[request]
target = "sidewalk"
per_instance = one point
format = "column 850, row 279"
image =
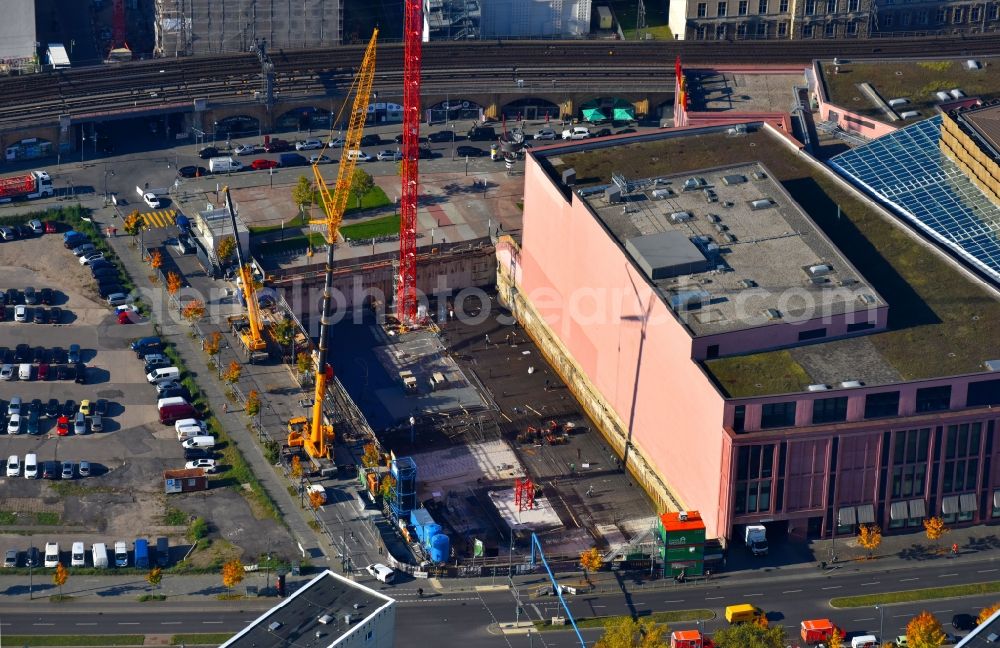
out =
column 234, row 421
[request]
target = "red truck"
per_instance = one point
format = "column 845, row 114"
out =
column 33, row 184
column 817, row 631
column 689, row 639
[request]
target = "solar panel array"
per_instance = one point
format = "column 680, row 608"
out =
column 908, row 171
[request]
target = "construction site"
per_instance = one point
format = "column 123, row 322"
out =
column 446, row 415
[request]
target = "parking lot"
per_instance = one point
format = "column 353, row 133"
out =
column 124, row 492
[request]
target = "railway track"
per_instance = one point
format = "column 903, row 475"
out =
column 40, row 99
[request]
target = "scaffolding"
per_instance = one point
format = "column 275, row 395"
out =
column 404, row 487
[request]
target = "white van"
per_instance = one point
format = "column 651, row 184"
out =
column 358, row 156
column 31, row 466
column 224, row 165
column 174, row 400
column 199, row 442
column 24, row 372
column 163, row 374
column 51, row 554
column 188, row 422
column 188, row 431
column 121, row 554
column 99, row 554
column 381, row 572
column 865, row 641
column 78, row 557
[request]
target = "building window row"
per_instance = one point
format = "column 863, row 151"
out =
column 877, row 405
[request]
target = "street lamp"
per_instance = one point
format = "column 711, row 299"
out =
column 215, row 128
column 106, row 173
column 881, row 618
column 453, row 142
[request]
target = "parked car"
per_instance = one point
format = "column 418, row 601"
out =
column 55, row 315
column 469, row 151
column 441, row 136
column 546, row 134
column 83, row 469
column 308, row 145
column 20, row 313
column 7, row 372
column 371, row 140
column 85, row 407
column 390, row 156
column 336, row 142
column 59, row 355
column 74, row 354
column 247, row 149
column 208, row 152
column 69, row 407
column 14, row 424
column 207, row 464
column 86, row 248
column 36, row 227
column 14, row 466
column 52, row 408
column 262, row 164
column 576, row 133
column 151, row 199
column 30, row 296
column 277, row 146
column 79, row 424
column 41, row 315
column 117, row 299
column 62, row 426
column 316, row 158
column 90, row 257
column 45, row 296
column 32, row 557
column 192, row 172
column 101, row 407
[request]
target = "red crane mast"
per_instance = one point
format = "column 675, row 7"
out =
column 406, row 288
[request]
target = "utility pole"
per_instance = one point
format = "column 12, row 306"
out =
column 640, row 21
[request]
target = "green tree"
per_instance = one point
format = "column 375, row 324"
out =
column 750, row 635
column 386, row 487
column 227, row 247
column 626, row 632
column 284, row 331
column 303, row 194
column 361, row 183
column 304, row 362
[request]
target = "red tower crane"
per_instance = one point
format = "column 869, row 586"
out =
column 118, row 25
column 406, row 288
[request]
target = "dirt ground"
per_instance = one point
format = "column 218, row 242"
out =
column 127, row 499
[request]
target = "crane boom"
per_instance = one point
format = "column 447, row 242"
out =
column 315, row 442
column 255, row 342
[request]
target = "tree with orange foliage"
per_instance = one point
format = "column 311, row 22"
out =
column 924, row 631
column 174, row 282
column 156, row 260
column 935, row 527
column 232, row 374
column 253, row 403
column 296, row 467
column 60, row 576
column 194, row 310
column 316, row 499
column 869, row 538
column 213, row 344
column 591, row 560
column 987, row 612
column 232, row 573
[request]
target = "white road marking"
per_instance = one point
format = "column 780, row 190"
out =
column 212, row 622
column 43, row 624
column 946, row 575
column 903, row 580
column 791, row 591
column 754, row 594
column 714, row 598
column 871, row 583
column 128, row 623
column 985, row 571
column 678, row 601
column 866, row 619
column 833, row 587
column 173, row 622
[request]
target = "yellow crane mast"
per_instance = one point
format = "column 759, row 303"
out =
column 251, row 339
column 313, row 435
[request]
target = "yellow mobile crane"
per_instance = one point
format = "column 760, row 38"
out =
column 313, row 435
column 250, row 336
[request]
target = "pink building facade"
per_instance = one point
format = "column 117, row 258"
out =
column 806, row 464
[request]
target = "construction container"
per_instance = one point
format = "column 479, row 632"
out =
column 185, row 480
column 687, row 639
column 682, row 538
column 816, row 631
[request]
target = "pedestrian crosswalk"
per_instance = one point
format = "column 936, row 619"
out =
column 159, row 218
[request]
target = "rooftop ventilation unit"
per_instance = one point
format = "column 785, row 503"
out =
column 758, row 175
column 694, row 183
column 972, row 64
column 569, row 177
column 820, row 270
column 818, row 387
column 682, row 516
column 680, row 217
column 712, row 218
column 895, row 103
column 942, row 95
column 763, row 203
column 850, row 384
column 729, row 237
column 733, row 179
column 720, row 228
column 613, row 194
column 748, row 283
column 867, row 299
column 660, row 194
column 956, row 93
column 772, row 314
column 326, row 619
column 909, row 114
column 992, row 365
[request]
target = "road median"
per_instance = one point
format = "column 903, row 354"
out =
column 911, row 596
column 673, row 616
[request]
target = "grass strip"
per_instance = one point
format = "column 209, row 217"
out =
column 203, row 638
column 909, row 596
column 382, row 226
column 673, row 616
column 75, row 640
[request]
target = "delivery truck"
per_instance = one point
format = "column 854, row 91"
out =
column 31, row 184
column 756, row 539
column 689, row 639
column 815, row 631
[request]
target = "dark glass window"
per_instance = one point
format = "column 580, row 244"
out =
column 985, row 392
column 830, row 410
column 882, row 404
column 932, row 399
column 812, row 334
column 775, row 415
column 860, row 326
column 739, row 417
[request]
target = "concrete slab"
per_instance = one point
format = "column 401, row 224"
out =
column 458, row 465
column 713, row 91
column 538, row 518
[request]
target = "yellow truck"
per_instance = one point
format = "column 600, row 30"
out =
column 743, row 613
